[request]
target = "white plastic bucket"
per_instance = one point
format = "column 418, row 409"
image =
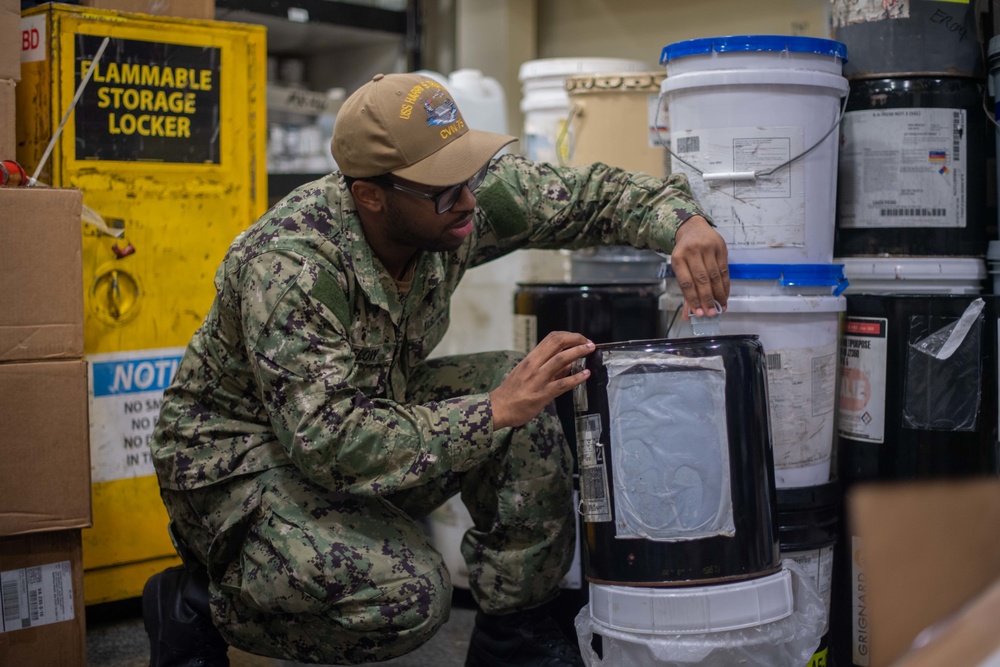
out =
column 993, row 264
column 914, row 275
column 545, row 102
column 800, row 335
column 753, row 125
column 773, row 620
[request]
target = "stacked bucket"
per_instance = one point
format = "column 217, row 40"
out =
column 575, row 110
column 918, row 366
column 754, row 126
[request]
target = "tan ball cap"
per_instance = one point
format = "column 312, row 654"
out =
column 409, row 125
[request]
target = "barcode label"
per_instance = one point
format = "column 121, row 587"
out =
column 957, row 132
column 35, row 596
column 774, row 361
column 913, row 212
column 594, row 505
column 688, row 144
column 12, row 604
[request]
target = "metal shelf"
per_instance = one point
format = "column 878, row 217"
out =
column 308, row 27
column 345, row 14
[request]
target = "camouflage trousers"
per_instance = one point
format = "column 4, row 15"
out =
column 301, row 573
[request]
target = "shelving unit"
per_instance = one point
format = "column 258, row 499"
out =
column 343, row 45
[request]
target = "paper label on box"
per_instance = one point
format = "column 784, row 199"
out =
column 35, row 596
column 126, row 389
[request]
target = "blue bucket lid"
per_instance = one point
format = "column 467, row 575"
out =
column 792, row 275
column 692, row 47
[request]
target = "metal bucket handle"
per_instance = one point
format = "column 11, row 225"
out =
column 706, row 325
column 746, row 175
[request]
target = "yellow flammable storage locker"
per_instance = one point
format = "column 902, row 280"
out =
column 167, row 143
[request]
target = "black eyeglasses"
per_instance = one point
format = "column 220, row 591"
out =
column 444, row 200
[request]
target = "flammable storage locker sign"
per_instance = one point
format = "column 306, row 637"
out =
column 148, row 101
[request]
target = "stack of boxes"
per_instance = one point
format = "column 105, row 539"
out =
column 44, row 442
column 166, row 142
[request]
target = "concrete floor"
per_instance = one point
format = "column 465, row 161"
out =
column 116, row 638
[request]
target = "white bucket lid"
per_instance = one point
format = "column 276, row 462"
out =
column 693, row 609
column 563, row 67
column 962, row 269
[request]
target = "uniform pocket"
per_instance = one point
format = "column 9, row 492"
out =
column 295, row 559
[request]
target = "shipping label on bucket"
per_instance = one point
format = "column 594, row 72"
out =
column 594, row 503
column 802, row 394
column 902, row 168
column 126, row 390
column 766, row 211
column 817, row 564
column 863, row 359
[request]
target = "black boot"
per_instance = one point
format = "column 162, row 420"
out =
column 178, row 621
column 523, row 639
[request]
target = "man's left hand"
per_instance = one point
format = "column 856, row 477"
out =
column 700, row 261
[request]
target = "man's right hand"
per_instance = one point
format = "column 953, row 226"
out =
column 541, row 376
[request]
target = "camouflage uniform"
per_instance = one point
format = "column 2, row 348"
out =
column 306, row 433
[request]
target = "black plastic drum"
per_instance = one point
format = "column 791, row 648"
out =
column 897, row 38
column 918, row 388
column 912, row 176
column 676, row 468
column 603, row 312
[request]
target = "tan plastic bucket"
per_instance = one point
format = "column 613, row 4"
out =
column 614, row 119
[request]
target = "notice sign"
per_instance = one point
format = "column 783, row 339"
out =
column 126, row 390
column 148, row 101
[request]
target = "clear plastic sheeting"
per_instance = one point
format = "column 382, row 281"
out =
column 669, row 446
column 788, row 642
column 944, row 372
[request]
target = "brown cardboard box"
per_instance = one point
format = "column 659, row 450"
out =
column 41, row 274
column 55, row 634
column 8, row 140
column 966, row 639
column 44, row 447
column 187, row 9
column 928, row 549
column 10, row 39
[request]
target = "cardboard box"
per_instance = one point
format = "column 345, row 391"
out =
column 10, row 39
column 187, row 9
column 41, row 271
column 8, row 139
column 927, row 549
column 43, row 621
column 968, row 639
column 44, row 446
